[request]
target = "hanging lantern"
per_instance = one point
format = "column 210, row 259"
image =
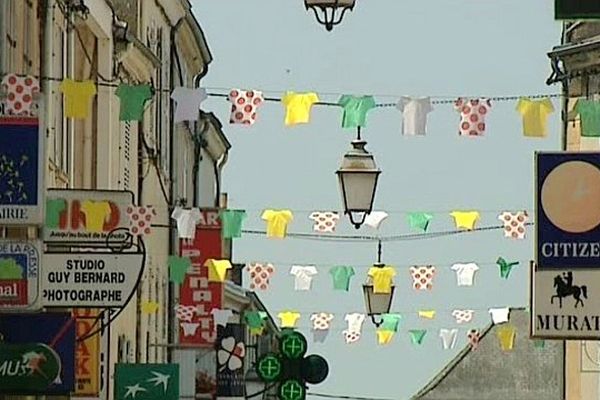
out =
column 377, row 303
column 357, row 178
column 329, row 12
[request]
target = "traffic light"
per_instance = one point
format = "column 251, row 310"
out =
column 290, row 369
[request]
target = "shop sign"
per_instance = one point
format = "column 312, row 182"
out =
column 56, row 331
column 21, row 171
column 146, row 381
column 87, row 353
column 89, row 279
column 565, row 304
column 196, row 290
column 19, row 274
column 567, row 215
column 32, row 366
column 86, row 217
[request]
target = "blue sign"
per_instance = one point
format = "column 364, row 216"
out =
column 57, row 330
column 568, row 210
column 21, row 173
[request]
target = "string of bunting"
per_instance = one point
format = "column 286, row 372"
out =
column 387, row 328
column 534, row 109
column 325, row 222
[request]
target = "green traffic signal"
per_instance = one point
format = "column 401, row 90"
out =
column 293, row 345
column 292, row 389
column 269, row 368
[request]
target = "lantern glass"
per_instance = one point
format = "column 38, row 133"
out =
column 377, row 303
column 358, row 190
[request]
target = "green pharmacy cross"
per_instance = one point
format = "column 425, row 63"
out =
column 290, row 369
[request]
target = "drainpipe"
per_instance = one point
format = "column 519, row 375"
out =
column 219, row 165
column 2, row 33
column 47, row 70
column 565, row 91
column 172, row 334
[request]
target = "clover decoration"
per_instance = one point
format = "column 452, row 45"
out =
column 231, row 354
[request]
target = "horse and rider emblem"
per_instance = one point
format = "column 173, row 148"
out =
column 564, row 288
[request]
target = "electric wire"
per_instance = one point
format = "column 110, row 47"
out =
column 344, row 397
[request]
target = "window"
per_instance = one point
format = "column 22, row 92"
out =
column 9, row 34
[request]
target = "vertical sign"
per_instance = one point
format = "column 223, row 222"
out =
column 87, row 353
column 231, row 352
column 567, row 210
column 19, row 274
column 196, row 290
column 21, row 171
column 56, row 331
column 576, row 9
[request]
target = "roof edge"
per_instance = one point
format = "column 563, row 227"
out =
column 446, row 370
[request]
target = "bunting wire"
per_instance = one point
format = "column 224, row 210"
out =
column 344, row 397
column 102, row 82
column 384, row 238
column 353, row 264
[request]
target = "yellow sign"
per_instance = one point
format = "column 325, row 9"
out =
column 87, row 353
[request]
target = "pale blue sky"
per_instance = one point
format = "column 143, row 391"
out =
column 388, row 48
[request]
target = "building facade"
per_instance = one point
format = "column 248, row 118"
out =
column 163, row 164
column 576, row 67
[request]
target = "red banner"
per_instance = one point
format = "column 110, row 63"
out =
column 196, row 290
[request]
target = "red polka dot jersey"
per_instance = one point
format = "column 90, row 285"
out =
column 260, row 275
column 244, row 105
column 19, row 93
column 472, row 115
column 140, row 219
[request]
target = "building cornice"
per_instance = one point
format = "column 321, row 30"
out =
column 174, row 10
column 217, row 144
column 137, row 58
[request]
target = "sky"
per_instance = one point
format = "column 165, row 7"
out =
column 386, row 48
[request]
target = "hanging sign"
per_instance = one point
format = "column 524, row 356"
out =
column 567, row 213
column 19, row 274
column 231, row 353
column 196, row 290
column 21, row 171
column 87, row 353
column 35, row 366
column 146, row 381
column 46, row 344
column 89, row 279
column 565, row 304
column 86, row 217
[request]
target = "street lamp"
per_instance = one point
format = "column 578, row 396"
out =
column 357, row 178
column 329, row 12
column 377, row 303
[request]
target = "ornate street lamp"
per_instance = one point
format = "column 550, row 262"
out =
column 329, row 12
column 357, row 178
